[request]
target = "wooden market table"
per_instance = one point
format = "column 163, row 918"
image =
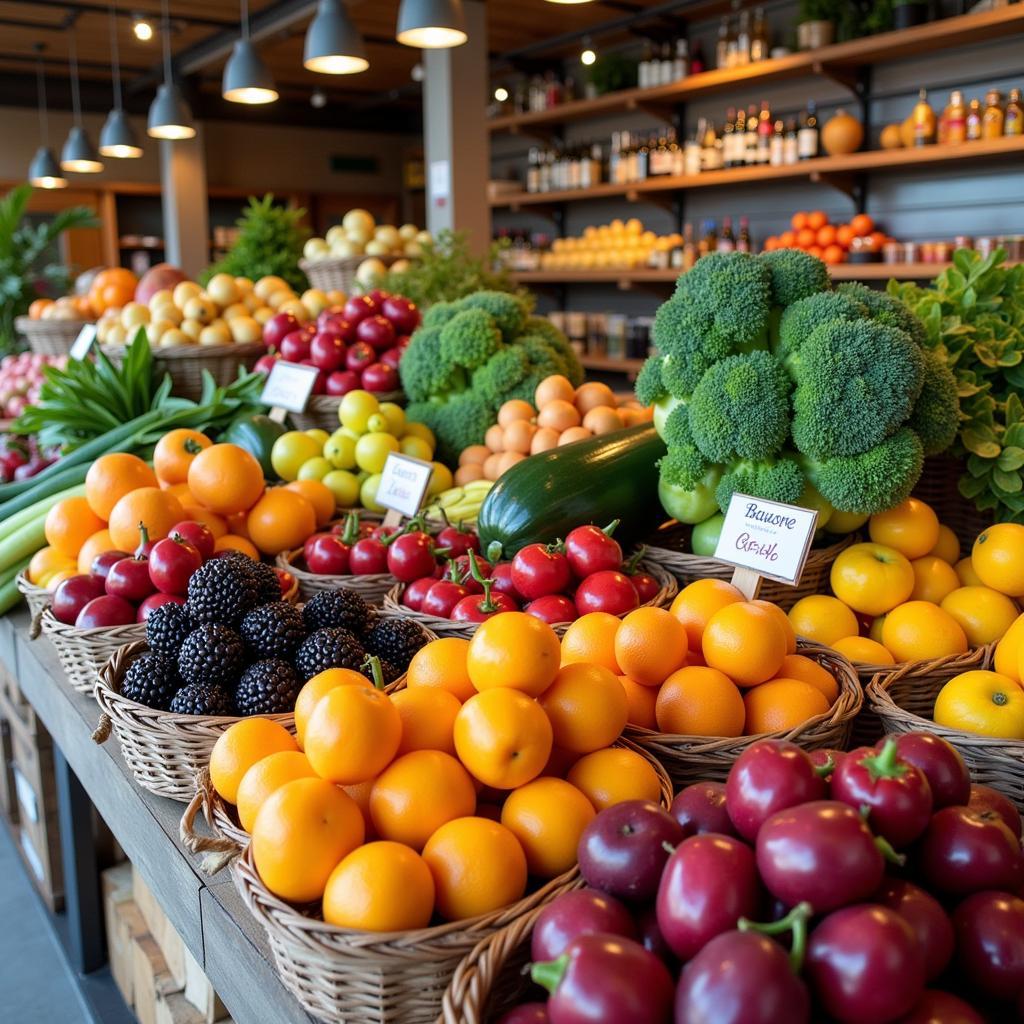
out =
column 207, row 913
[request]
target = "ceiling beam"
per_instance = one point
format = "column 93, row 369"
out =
column 128, row 13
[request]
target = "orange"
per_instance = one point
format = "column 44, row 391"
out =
column 229, row 542
column 700, row 701
column 745, row 642
column 833, row 253
column 442, row 664
column 225, row 479
column 380, row 887
column 352, row 734
column 69, row 524
column 586, row 706
column 845, row 235
column 548, row 817
column 237, row 523
column 640, row 701
column 947, row 547
column 982, row 702
column 591, row 638
column 826, row 235
column 965, row 571
column 280, row 520
column 918, row 630
column 300, row 834
column 934, row 578
column 805, row 239
column 478, row 866
column 998, row 558
column 174, row 453
column 503, row 737
column 610, row 776
column 428, row 718
column 417, row 793
column 650, row 645
column 214, row 523
column 319, row 495
column 822, row 619
column 265, row 777
column 781, row 705
column 181, row 492
column 239, row 747
column 871, row 578
column 984, row 614
column 1008, row 650
column 513, row 650
column 816, row 220
column 911, row 528
column 797, row 666
column 787, row 240
column 360, row 792
column 111, row 477
column 157, row 510
column 782, row 619
column 112, row 288
column 798, row 221
column 862, row 650
column 862, row 224
column 47, row 561
column 697, row 602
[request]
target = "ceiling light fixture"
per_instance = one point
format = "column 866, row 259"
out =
column 247, row 79
column 334, row 46
column 78, row 154
column 318, row 99
column 431, row 24
column 117, row 137
column 169, row 115
column 567, row 2
column 142, row 29
column 44, row 171
column 588, row 56
column 501, row 94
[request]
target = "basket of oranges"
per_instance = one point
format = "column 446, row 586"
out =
column 55, row 335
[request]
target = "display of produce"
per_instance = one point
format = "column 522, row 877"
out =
column 21, row 382
column 618, row 245
column 833, row 243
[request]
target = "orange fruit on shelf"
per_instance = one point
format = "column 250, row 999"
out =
column 816, row 251
column 478, row 866
column 998, row 558
column 782, row 619
column 591, row 638
column 548, row 817
column 157, row 510
column 816, row 220
column 984, row 614
column 231, row 542
column 650, row 644
column 174, row 453
column 225, row 479
column 352, row 734
column 911, row 528
column 267, row 776
column 862, row 225
column 428, row 718
column 870, row 578
column 47, row 561
column 516, row 651
column 845, row 235
column 380, row 887
column 586, row 706
column 319, row 495
column 69, row 524
column 239, row 747
column 301, row 833
column 799, row 666
column 441, row 664
column 700, row 701
column 798, row 221
column 640, row 702
column 1007, row 659
column 934, row 578
column 827, row 235
column 787, row 240
column 862, row 650
column 280, row 520
column 823, row 619
column 503, row 737
column 694, row 605
column 805, row 238
column 610, row 776
column 213, row 522
column 781, row 705
column 981, row 702
column 111, row 477
column 966, row 574
column 833, row 253
column 417, row 793
column 745, row 642
column 112, row 288
column 918, row 630
column 947, row 547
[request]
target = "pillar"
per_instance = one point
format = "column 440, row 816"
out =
column 185, row 203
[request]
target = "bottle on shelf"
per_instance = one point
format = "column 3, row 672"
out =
column 750, row 136
column 552, row 91
column 726, row 240
column 614, row 159
column 659, row 160
column 645, row 68
column 764, row 133
column 954, row 118
column 681, row 62
column 722, row 43
column 743, row 40
column 643, row 158
column 693, row 151
column 923, row 120
column 760, row 41
column 808, row 135
column 533, row 170
column 1013, row 118
column 676, row 154
column 665, row 73
column 991, row 126
column 698, row 62
column 711, row 149
column 973, row 120
column 729, row 138
column 777, row 145
column 743, row 243
column 709, row 239
column 689, row 253
column 791, row 145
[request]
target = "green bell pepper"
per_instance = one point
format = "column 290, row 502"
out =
column 256, row 434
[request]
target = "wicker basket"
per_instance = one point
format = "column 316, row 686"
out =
column 49, row 337
column 37, row 598
column 322, row 410
column 371, row 588
column 939, row 486
column 338, row 272
column 84, row 652
column 690, row 759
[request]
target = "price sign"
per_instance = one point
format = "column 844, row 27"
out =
column 289, row 386
column 84, row 342
column 403, row 484
column 765, row 539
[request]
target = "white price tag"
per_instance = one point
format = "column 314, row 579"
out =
column 403, row 483
column 83, row 343
column 289, row 386
column 767, row 537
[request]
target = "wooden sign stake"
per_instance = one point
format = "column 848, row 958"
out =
column 747, row 582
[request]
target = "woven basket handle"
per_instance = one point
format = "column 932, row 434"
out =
column 219, row 850
column 102, row 731
column 35, row 627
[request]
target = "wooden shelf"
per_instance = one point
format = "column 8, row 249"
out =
column 839, row 62
column 611, row 365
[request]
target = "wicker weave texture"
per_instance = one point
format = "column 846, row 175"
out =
column 37, row 598
column 83, row 653
column 49, row 337
column 337, row 273
column 370, row 588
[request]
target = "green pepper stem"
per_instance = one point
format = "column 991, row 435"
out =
column 886, row 763
column 823, row 771
column 549, row 973
column 494, row 551
column 886, row 850
column 795, row 922
column 371, row 663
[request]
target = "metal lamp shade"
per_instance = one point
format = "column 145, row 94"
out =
column 246, row 78
column 44, row 171
column 333, row 44
column 169, row 115
column 117, row 139
column 79, row 155
column 431, row 24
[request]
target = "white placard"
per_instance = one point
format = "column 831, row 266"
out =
column 440, row 179
column 403, row 483
column 85, row 340
column 289, row 386
column 767, row 537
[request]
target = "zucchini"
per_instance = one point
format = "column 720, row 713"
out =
column 542, row 498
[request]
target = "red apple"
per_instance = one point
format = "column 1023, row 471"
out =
column 320, row 384
column 359, row 357
column 340, row 326
column 380, row 377
column 378, row 295
column 341, row 382
column 327, row 350
column 403, row 313
column 102, row 563
column 277, row 327
column 377, row 332
column 295, row 347
column 162, row 277
column 198, row 534
column 327, row 314
column 106, row 611
column 73, row 594
column 392, row 356
column 266, row 363
column 359, row 307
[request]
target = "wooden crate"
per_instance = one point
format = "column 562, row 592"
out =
column 8, row 798
column 161, row 929
column 151, row 978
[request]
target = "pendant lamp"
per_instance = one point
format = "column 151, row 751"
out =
column 431, row 24
column 44, row 171
column 247, row 79
column 117, row 137
column 334, row 45
column 78, row 154
column 169, row 114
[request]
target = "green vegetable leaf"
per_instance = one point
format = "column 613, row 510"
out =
column 1009, row 482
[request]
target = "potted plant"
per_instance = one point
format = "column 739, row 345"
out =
column 906, row 13
column 816, row 24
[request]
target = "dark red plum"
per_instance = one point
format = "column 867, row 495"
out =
column 964, row 852
column 701, row 808
column 990, row 943
column 924, row 913
column 582, row 912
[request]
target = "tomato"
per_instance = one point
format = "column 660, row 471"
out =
column 607, row 591
column 590, row 549
column 541, row 569
column 411, row 556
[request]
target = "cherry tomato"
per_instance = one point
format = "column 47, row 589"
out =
column 368, row 557
column 541, row 569
column 607, row 591
column 411, row 555
column 590, row 549
column 553, row 608
column 414, row 593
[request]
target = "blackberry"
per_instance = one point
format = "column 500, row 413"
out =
column 152, row 679
column 267, row 688
column 222, row 590
column 202, row 699
column 167, row 627
column 329, row 648
column 267, row 584
column 395, row 639
column 339, row 607
column 273, row 630
column 211, row 655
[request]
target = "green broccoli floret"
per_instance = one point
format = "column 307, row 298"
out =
column 794, row 275
column 649, row 387
column 681, row 374
column 886, row 310
column 675, row 431
column 740, row 409
column 425, row 370
column 856, row 382
column 543, row 359
column 800, row 320
column 542, row 326
column 509, row 311
column 459, row 423
column 936, row 416
column 504, row 371
column 874, row 480
column 470, row 338
column 774, row 480
column 686, row 485
column 439, row 314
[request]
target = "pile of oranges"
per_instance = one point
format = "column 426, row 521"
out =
column 442, row 798
column 832, row 243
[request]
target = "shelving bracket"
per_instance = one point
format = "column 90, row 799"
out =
column 848, row 77
column 663, row 201
column 849, row 184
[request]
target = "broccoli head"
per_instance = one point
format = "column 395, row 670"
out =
column 470, row 338
column 543, row 359
column 457, row 424
column 425, row 370
column 439, row 314
column 500, row 374
column 936, row 416
column 740, row 408
column 544, row 328
column 649, row 387
column 774, row 480
column 794, row 275
column 508, row 311
column 800, row 320
column 686, row 485
column 886, row 310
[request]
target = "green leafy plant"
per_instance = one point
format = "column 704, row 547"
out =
column 974, row 317
column 270, row 242
column 25, row 250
